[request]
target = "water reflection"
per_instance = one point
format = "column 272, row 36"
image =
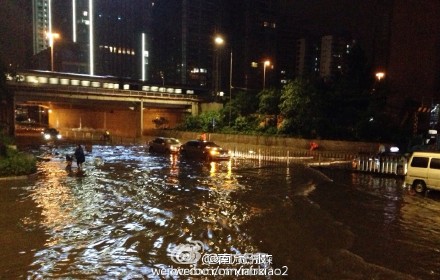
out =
column 124, row 216
column 398, row 228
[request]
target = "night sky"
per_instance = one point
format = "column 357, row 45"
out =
column 304, row 17
column 15, row 32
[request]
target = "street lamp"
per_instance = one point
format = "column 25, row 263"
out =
column 219, row 41
column 52, row 37
column 266, row 63
column 230, row 90
column 380, row 75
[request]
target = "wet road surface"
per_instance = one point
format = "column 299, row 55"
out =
column 127, row 213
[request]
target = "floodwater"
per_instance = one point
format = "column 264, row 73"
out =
column 126, row 215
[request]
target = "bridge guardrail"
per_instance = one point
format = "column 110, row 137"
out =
column 86, row 83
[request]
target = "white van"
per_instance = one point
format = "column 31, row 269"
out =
column 423, row 171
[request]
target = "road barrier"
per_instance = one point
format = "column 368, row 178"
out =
column 384, row 165
column 275, row 155
column 393, row 165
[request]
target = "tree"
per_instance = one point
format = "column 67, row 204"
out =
column 6, row 105
column 269, row 100
column 242, row 105
column 207, row 122
column 297, row 107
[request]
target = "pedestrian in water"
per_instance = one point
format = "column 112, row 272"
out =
column 80, row 157
column 69, row 160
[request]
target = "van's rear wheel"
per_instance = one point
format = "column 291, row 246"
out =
column 419, row 186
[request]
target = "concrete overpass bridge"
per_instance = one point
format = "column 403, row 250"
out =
column 126, row 108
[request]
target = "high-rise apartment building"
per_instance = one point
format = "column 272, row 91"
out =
column 334, row 50
column 184, row 51
column 98, row 37
column 167, row 41
column 254, row 37
column 183, row 41
column 325, row 57
column 308, row 57
column 42, row 24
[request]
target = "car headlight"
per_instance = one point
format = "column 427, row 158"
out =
column 59, row 136
column 214, row 152
column 47, row 136
column 174, row 148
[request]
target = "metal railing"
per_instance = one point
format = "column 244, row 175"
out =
column 383, row 165
column 393, row 165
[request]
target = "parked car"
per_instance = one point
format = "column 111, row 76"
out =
column 51, row 134
column 423, row 171
column 206, row 150
column 164, row 145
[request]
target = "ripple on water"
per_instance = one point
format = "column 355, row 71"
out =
column 130, row 209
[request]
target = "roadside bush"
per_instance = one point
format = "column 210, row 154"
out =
column 16, row 164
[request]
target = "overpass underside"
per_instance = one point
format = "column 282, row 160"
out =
column 123, row 113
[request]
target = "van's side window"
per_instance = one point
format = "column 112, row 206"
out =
column 420, row 162
column 435, row 163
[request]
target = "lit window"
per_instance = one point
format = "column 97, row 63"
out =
column 85, row 13
column 254, row 64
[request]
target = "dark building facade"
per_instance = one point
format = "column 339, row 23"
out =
column 183, row 34
column 184, row 49
column 100, row 37
column 172, row 41
column 168, row 41
column 414, row 66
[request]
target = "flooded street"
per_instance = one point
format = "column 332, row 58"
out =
column 126, row 215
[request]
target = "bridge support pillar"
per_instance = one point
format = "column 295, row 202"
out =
column 141, row 121
column 105, row 120
column 195, row 109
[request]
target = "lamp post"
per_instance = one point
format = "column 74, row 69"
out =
column 219, row 41
column 52, row 37
column 230, row 89
column 265, row 64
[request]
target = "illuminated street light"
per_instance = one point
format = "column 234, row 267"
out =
column 219, row 40
column 52, row 37
column 266, row 63
column 380, row 75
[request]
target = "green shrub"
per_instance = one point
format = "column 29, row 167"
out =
column 16, row 164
